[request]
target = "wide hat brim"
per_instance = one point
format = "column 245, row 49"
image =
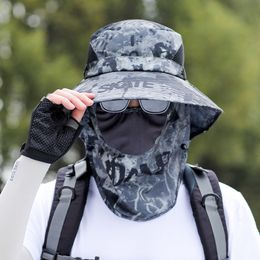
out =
column 155, row 86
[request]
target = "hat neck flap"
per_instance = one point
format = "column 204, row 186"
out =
column 140, row 187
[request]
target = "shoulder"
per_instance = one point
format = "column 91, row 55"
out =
column 237, row 211
column 230, row 194
column 233, row 200
column 240, row 224
column 235, row 204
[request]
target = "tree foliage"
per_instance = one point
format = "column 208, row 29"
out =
column 43, row 46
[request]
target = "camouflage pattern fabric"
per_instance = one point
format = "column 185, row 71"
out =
column 139, row 59
column 140, row 187
column 135, row 45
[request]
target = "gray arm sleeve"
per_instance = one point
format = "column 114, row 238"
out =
column 16, row 202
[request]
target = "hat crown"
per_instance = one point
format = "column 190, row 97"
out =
column 136, row 43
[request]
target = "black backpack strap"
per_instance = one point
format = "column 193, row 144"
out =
column 67, row 210
column 207, row 205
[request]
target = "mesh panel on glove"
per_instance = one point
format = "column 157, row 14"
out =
column 51, row 133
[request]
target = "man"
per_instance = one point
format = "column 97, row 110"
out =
column 136, row 134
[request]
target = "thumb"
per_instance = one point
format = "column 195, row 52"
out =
column 78, row 114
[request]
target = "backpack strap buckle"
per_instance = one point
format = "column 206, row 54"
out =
column 46, row 255
column 71, row 192
column 214, row 195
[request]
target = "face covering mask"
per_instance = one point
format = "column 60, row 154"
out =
column 138, row 182
column 132, row 131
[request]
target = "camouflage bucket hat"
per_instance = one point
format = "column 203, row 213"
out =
column 139, row 59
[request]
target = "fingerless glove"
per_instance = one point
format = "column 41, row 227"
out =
column 52, row 132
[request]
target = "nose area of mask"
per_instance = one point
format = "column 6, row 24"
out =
column 132, row 131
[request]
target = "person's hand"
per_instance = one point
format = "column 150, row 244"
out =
column 72, row 100
column 55, row 124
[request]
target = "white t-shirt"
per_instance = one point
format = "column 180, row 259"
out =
column 171, row 236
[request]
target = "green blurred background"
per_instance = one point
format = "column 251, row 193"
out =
column 43, row 46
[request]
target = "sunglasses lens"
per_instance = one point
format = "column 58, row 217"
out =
column 154, row 106
column 114, row 106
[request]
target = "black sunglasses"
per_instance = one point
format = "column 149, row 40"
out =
column 147, row 105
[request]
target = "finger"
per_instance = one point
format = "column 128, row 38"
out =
column 72, row 98
column 86, row 98
column 59, row 100
column 77, row 114
column 90, row 95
